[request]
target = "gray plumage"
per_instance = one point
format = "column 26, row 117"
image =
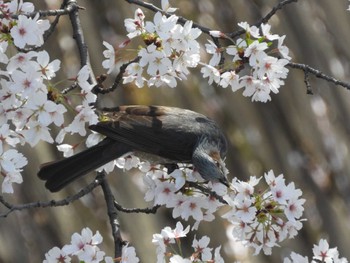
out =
column 174, row 135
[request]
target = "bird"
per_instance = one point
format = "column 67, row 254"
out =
column 167, row 135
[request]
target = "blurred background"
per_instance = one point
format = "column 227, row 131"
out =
column 305, row 137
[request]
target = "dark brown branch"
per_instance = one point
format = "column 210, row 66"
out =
column 307, row 83
column 263, row 20
column 274, row 10
column 100, row 90
column 154, row 209
column 58, row 12
column 70, row 88
column 66, row 9
column 79, row 39
column 149, row 6
column 317, row 73
column 53, row 203
column 206, row 191
column 113, row 217
column 151, row 210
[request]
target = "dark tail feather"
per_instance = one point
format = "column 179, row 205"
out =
column 59, row 174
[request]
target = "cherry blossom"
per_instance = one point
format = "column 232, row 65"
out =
column 128, row 255
column 167, row 250
column 258, row 217
column 166, row 7
column 55, row 255
column 3, row 57
column 109, row 54
column 135, row 26
column 11, row 164
column 45, row 67
column 85, row 248
column 29, row 31
column 170, row 50
column 211, row 48
column 67, row 149
column 321, row 253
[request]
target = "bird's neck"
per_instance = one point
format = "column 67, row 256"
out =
column 202, row 151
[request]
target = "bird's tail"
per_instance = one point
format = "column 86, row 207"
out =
column 60, row 173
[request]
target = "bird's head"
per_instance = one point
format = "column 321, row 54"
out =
column 208, row 160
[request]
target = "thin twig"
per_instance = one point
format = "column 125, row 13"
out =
column 53, row 203
column 263, row 20
column 307, row 83
column 151, row 210
column 58, row 12
column 273, row 11
column 206, row 191
column 100, row 90
column 319, row 74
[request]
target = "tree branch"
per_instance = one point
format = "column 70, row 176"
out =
column 53, row 203
column 98, row 89
column 318, row 74
column 64, row 10
column 206, row 191
column 263, row 20
column 273, row 11
column 79, row 38
column 151, row 210
column 113, row 216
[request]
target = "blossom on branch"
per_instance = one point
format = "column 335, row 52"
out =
column 85, row 248
column 321, row 253
column 264, row 219
column 170, row 49
column 253, row 65
column 168, row 252
column 29, row 31
column 261, row 219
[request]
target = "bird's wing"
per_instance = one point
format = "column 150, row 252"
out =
column 168, row 132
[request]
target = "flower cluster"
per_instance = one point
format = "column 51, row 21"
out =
column 85, row 248
column 263, row 219
column 30, row 102
column 257, row 62
column 168, row 252
column 25, row 111
column 11, row 164
column 23, row 31
column 170, row 49
column 321, row 253
column 260, row 219
column 176, row 190
column 251, row 65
